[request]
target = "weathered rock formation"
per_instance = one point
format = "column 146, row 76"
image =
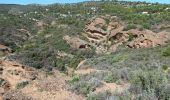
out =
column 148, row 38
column 106, row 33
column 75, row 42
column 99, row 29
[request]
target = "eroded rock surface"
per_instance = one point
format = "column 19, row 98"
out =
column 148, row 39
column 40, row 84
column 106, row 34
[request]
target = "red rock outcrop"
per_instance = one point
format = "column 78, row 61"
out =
column 98, row 29
column 106, row 33
column 148, row 38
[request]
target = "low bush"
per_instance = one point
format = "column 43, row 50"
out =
column 109, row 78
column 84, row 85
column 130, row 26
column 22, row 84
column 100, row 96
column 166, row 52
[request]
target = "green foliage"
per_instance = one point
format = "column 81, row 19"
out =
column 130, row 26
column 164, row 67
column 138, row 67
column 164, row 92
column 99, row 96
column 81, row 87
column 104, row 28
column 141, row 67
column 146, row 26
column 131, row 37
column 148, row 80
column 1, row 81
column 84, row 84
column 75, row 78
column 22, row 84
column 109, row 78
column 43, row 52
column 166, row 52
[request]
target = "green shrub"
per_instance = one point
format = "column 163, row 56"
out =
column 75, row 78
column 166, row 51
column 109, row 78
column 22, row 84
column 147, row 95
column 84, row 85
column 1, row 81
column 165, row 92
column 164, row 67
column 100, row 96
column 130, row 26
column 104, row 28
column 149, row 79
column 148, row 82
column 131, row 37
column 146, row 26
column 123, row 96
column 141, row 29
column 81, row 87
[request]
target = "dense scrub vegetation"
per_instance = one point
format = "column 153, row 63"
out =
column 73, row 18
column 147, row 70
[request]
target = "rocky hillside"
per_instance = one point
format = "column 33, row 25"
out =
column 106, row 33
column 98, row 50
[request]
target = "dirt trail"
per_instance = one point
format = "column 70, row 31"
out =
column 87, row 71
column 113, row 87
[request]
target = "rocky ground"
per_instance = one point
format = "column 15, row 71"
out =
column 18, row 82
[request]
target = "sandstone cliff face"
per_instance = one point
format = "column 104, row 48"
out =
column 106, row 33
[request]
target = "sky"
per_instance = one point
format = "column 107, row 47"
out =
column 153, row 1
column 63, row 1
column 38, row 1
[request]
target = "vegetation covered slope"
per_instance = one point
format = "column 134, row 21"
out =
column 35, row 33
